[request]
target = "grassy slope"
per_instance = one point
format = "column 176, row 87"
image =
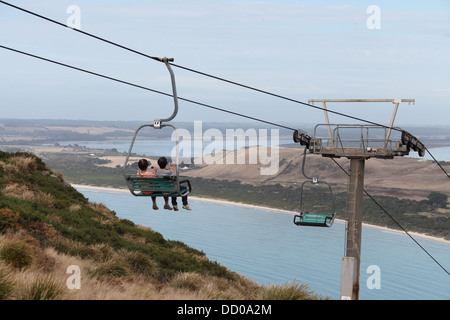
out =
column 47, row 226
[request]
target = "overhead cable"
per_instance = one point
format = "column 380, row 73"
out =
column 80, row 31
column 144, row 88
column 193, row 70
column 215, row 77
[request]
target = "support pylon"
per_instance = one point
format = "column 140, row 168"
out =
column 351, row 263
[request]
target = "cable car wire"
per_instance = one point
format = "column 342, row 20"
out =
column 193, row 70
column 201, row 104
column 143, row 87
column 437, row 162
column 80, row 31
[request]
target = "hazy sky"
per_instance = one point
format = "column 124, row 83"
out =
column 299, row 49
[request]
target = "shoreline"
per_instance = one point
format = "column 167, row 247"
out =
column 226, row 202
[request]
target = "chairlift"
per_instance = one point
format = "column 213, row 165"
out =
column 316, row 218
column 158, row 185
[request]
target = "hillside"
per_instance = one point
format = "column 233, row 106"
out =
column 48, row 231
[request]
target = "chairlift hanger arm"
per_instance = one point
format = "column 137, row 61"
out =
column 174, row 91
column 134, row 139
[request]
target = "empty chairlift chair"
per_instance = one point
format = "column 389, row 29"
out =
column 315, row 217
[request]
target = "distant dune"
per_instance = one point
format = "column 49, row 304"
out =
column 401, row 177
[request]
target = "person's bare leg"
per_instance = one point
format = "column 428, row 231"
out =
column 166, row 204
column 155, row 207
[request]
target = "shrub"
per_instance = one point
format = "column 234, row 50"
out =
column 6, row 283
column 42, row 229
column 9, row 219
column 112, row 268
column 102, row 252
column 99, row 208
column 43, row 288
column 17, row 253
column 18, row 191
column 140, row 263
column 71, row 247
column 74, row 207
column 438, row 200
column 289, row 291
column 24, row 163
column 187, row 280
column 23, row 192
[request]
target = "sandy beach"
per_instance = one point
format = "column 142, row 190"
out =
column 224, row 202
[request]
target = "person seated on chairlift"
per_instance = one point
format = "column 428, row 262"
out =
column 166, row 169
column 143, row 165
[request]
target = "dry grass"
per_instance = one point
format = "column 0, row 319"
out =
column 7, row 168
column 23, row 163
column 23, row 192
column 17, row 253
column 288, row 291
column 111, row 275
column 29, row 272
column 40, row 287
column 19, row 164
column 74, row 207
column 7, row 282
column 214, row 288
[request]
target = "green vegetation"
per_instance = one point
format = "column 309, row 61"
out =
column 42, row 288
column 16, row 253
column 438, row 200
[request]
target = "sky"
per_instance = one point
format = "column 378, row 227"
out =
column 377, row 49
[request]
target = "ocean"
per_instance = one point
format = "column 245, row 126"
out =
column 264, row 245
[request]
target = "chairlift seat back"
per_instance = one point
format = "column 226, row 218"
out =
column 314, row 219
column 166, row 186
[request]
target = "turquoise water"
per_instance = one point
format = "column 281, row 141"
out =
column 265, row 246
